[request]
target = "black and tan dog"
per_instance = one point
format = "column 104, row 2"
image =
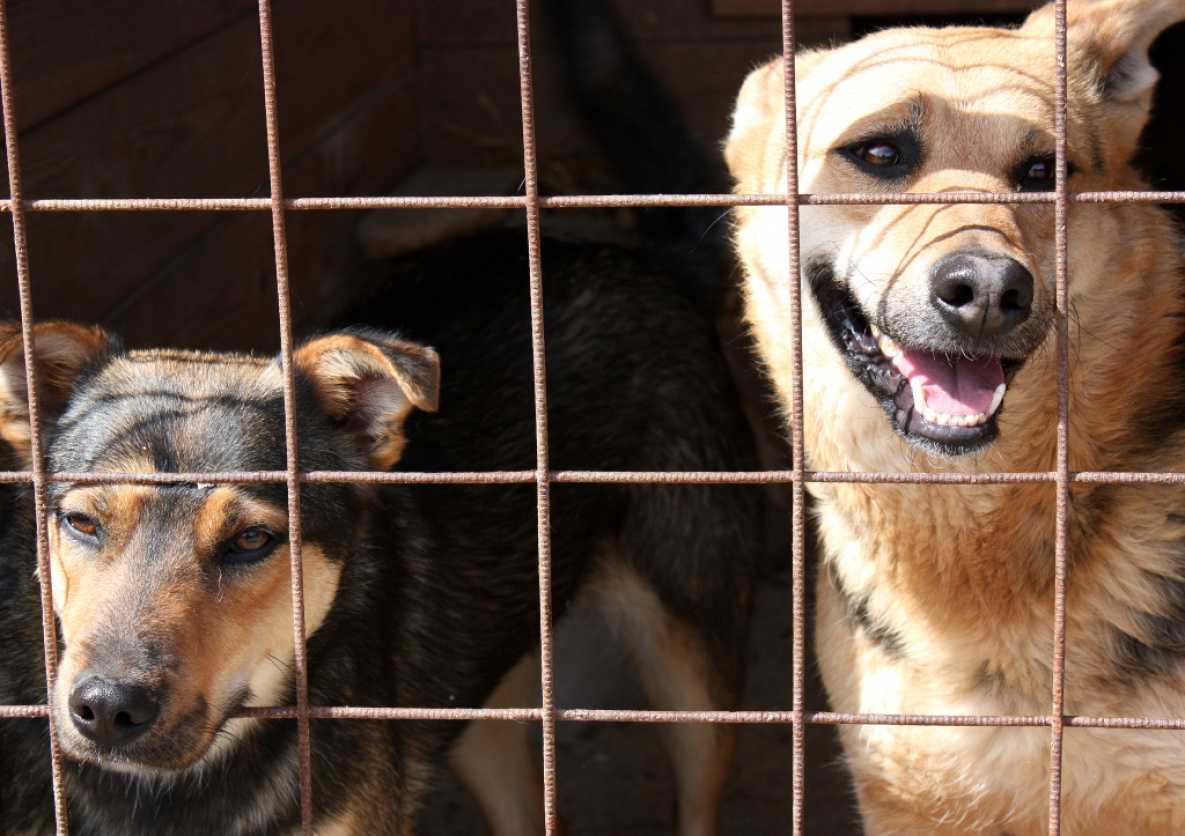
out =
column 173, row 600
column 928, row 340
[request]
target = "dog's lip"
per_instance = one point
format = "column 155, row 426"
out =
column 871, row 354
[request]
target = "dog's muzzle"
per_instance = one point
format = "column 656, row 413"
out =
column 942, row 382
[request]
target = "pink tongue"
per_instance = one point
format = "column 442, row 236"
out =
column 952, row 385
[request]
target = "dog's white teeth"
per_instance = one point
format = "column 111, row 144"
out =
column 887, row 346
column 996, row 399
column 919, row 397
column 950, row 420
column 876, row 332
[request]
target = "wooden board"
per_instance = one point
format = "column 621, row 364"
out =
column 219, row 293
column 487, row 22
column 65, row 51
column 191, row 125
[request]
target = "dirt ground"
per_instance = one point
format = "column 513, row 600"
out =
column 615, row 779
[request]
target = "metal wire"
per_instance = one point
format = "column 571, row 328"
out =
column 1063, row 429
column 797, row 446
column 539, row 367
column 531, row 203
column 607, row 201
column 21, row 247
column 295, row 540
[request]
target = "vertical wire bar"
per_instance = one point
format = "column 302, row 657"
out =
column 543, row 471
column 280, row 243
column 798, row 487
column 1063, row 428
column 40, row 498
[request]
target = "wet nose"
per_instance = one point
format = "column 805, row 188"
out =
column 111, row 713
column 982, row 295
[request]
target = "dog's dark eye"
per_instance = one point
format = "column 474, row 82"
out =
column 890, row 157
column 879, row 153
column 250, row 546
column 1036, row 174
column 81, row 523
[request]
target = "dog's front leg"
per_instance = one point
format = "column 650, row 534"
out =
column 495, row 762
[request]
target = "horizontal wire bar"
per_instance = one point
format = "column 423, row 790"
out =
column 591, row 715
column 258, row 204
column 744, row 477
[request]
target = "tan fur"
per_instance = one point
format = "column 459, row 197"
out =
column 63, row 349
column 371, row 389
column 963, row 575
column 494, row 760
column 233, row 635
column 674, row 677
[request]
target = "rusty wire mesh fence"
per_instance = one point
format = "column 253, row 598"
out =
column 543, row 476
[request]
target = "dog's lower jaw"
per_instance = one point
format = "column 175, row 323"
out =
column 875, row 360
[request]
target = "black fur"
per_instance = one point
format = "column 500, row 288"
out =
column 641, row 133
column 856, row 611
column 439, row 593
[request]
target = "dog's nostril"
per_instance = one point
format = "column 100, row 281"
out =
column 1010, row 301
column 958, row 295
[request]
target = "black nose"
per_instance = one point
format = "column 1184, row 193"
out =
column 982, row 295
column 111, row 713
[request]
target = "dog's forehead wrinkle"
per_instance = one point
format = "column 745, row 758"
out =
column 133, row 434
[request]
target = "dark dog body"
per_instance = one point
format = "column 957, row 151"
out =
column 417, row 595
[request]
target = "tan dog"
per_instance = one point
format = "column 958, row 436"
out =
column 929, row 347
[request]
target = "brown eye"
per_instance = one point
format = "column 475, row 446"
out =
column 81, row 523
column 252, row 540
column 879, row 153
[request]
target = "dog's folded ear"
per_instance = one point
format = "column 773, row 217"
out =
column 62, row 351
column 1108, row 41
column 367, row 382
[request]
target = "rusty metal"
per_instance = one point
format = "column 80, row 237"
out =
column 607, row 201
column 531, row 202
column 1057, row 734
column 295, row 542
column 21, row 250
column 797, row 445
column 539, row 367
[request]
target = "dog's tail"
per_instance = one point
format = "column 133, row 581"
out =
column 641, row 133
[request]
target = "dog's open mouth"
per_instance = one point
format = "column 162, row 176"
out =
column 944, row 402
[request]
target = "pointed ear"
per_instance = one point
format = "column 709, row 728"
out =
column 1108, row 40
column 62, row 352
column 756, row 142
column 368, row 382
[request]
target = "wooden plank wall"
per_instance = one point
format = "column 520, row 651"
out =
column 139, row 98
